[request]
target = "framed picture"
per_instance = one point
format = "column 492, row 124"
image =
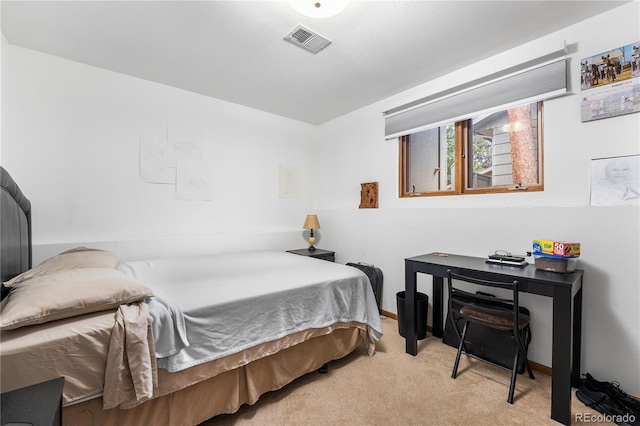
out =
column 615, row 181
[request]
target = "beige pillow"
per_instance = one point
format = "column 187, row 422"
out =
column 67, row 293
column 79, row 257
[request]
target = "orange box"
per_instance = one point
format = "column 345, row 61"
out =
column 556, row 248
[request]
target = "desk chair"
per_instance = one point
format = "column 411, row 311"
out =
column 500, row 314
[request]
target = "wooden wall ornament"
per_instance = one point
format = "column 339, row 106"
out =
column 369, row 195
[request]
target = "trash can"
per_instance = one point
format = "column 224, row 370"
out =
column 422, row 305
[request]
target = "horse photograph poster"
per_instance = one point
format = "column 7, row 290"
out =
column 610, row 83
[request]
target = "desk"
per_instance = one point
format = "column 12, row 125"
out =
column 565, row 289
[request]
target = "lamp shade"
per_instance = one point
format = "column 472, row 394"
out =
column 311, row 222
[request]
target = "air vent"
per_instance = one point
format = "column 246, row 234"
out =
column 307, row 39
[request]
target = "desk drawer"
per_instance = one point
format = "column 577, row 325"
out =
column 535, row 287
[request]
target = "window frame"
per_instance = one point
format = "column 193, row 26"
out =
column 462, row 165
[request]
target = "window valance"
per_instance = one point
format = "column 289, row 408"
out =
column 540, row 79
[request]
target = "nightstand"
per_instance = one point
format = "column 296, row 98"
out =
column 37, row 405
column 317, row 253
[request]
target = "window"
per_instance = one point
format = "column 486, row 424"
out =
column 494, row 152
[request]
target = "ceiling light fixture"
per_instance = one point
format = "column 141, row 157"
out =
column 319, row 8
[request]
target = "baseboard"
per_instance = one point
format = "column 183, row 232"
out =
column 540, row 368
column 389, row 314
column 534, row 365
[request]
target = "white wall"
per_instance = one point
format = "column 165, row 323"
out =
column 354, row 149
column 3, row 49
column 70, row 138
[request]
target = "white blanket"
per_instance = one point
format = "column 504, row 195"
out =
column 212, row 306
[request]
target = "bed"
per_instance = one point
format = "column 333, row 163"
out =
column 170, row 341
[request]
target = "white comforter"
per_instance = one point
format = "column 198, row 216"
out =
column 208, row 307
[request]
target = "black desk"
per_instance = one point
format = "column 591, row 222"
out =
column 565, row 289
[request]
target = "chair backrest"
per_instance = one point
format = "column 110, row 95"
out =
column 483, row 302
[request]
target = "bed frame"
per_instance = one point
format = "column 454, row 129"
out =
column 15, row 231
column 205, row 398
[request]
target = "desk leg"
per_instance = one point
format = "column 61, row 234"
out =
column 561, row 356
column 577, row 338
column 410, row 298
column 438, row 294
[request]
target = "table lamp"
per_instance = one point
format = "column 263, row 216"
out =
column 311, row 222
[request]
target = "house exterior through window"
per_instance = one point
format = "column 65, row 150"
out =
column 496, row 152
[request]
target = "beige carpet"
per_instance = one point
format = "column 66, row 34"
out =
column 394, row 388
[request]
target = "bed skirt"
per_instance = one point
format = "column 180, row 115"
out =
column 225, row 392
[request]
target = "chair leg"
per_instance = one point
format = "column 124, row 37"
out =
column 531, row 376
column 514, row 372
column 460, row 347
column 526, row 361
column 514, row 375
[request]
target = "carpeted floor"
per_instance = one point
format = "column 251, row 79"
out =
column 394, row 388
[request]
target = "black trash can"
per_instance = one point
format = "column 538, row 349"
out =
column 422, row 306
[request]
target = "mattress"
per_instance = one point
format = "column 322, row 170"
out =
column 209, row 307
column 75, row 348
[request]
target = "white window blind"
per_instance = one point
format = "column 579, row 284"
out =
column 526, row 83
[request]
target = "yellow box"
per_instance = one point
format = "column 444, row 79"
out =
column 556, row 248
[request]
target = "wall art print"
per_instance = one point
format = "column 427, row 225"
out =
column 610, row 83
column 615, row 181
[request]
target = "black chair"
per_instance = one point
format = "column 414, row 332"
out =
column 498, row 313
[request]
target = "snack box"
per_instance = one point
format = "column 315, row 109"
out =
column 556, row 248
column 550, row 262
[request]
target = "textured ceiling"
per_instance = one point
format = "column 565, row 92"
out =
column 234, row 50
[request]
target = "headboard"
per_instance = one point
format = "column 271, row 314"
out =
column 15, row 228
